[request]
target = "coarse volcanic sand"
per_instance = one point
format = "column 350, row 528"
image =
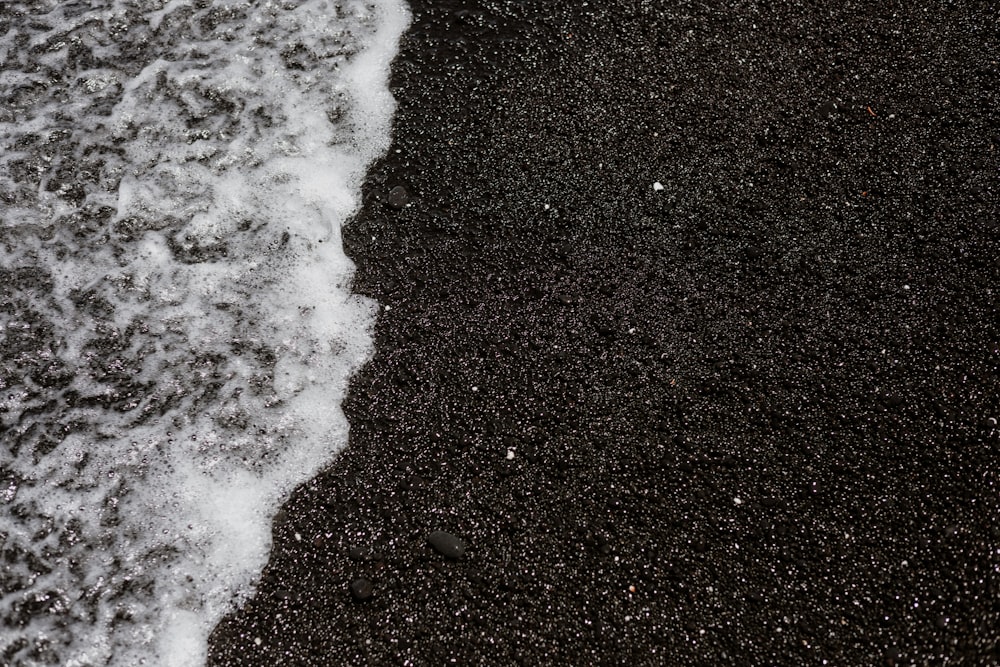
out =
column 749, row 418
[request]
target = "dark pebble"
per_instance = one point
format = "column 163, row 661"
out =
column 604, row 329
column 361, row 589
column 284, row 595
column 398, row 197
column 893, row 400
column 827, row 109
column 446, row 544
column 359, row 553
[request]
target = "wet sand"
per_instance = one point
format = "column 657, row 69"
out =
column 689, row 337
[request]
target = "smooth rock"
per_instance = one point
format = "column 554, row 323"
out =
column 361, row 589
column 398, row 197
column 446, row 544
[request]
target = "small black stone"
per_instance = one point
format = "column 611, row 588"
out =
column 284, row 595
column 361, row 589
column 827, row 109
column 398, row 197
column 893, row 400
column 359, row 553
column 446, row 544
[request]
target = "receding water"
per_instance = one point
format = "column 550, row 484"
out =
column 176, row 322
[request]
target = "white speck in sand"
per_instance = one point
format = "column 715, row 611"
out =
column 657, row 186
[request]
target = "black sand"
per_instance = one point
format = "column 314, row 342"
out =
column 752, row 415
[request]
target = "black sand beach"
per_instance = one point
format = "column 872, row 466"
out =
column 747, row 416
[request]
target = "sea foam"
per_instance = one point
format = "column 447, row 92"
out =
column 176, row 321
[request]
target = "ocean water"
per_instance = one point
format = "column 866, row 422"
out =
column 176, row 322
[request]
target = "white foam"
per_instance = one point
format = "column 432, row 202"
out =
column 203, row 316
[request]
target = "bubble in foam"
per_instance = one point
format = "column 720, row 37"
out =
column 176, row 327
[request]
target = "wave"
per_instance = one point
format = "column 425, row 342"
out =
column 176, row 321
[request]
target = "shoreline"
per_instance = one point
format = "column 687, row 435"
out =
column 744, row 418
